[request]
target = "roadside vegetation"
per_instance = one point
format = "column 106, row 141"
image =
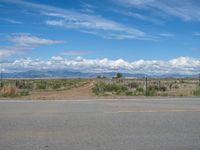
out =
column 103, row 86
column 12, row 88
column 151, row 87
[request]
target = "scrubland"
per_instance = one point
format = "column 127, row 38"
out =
column 100, row 87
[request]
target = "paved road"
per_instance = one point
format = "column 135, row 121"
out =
column 138, row 124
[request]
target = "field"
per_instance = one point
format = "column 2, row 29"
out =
column 63, row 88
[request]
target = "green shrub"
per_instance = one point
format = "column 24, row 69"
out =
column 197, row 92
column 56, row 86
column 23, row 84
column 150, row 93
column 24, row 93
column 101, row 88
column 129, row 93
column 133, row 85
column 163, row 88
column 176, row 86
column 140, row 89
column 42, row 85
column 153, row 87
column 98, row 88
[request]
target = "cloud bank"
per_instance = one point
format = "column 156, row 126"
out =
column 181, row 65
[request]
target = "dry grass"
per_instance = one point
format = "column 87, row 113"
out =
column 9, row 91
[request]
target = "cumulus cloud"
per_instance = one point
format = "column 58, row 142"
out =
column 182, row 65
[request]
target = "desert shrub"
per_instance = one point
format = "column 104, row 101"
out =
column 182, row 81
column 176, row 86
column 101, row 88
column 133, row 85
column 140, row 89
column 153, row 87
column 56, row 86
column 9, row 91
column 42, row 85
column 1, row 84
column 24, row 84
column 171, row 85
column 129, row 93
column 197, row 92
column 151, row 92
column 163, row 94
column 163, row 88
column 24, row 92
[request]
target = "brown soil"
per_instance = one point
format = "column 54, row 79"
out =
column 84, row 91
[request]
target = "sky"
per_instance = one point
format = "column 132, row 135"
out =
column 135, row 36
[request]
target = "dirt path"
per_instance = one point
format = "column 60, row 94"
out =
column 79, row 92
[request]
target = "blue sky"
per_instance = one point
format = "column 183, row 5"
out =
column 130, row 30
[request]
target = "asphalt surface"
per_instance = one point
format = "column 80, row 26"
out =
column 137, row 124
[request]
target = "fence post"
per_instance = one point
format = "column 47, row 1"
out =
column 159, row 84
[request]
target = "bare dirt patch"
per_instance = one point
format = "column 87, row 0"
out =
column 76, row 92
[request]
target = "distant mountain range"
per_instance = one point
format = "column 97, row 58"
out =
column 74, row 74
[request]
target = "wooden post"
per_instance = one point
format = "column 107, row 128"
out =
column 199, row 80
column 146, row 86
column 1, row 76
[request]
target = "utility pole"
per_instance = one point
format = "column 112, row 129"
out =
column 1, row 76
column 199, row 80
column 146, row 86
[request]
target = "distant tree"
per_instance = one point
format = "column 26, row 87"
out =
column 98, row 77
column 119, row 75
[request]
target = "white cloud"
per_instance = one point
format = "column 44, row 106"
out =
column 80, row 21
column 22, row 43
column 99, row 25
column 75, row 53
column 4, row 53
column 56, row 58
column 11, row 21
column 187, row 10
column 87, row 8
column 182, row 65
column 196, row 34
column 55, row 22
column 27, row 40
column 166, row 34
column 139, row 16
